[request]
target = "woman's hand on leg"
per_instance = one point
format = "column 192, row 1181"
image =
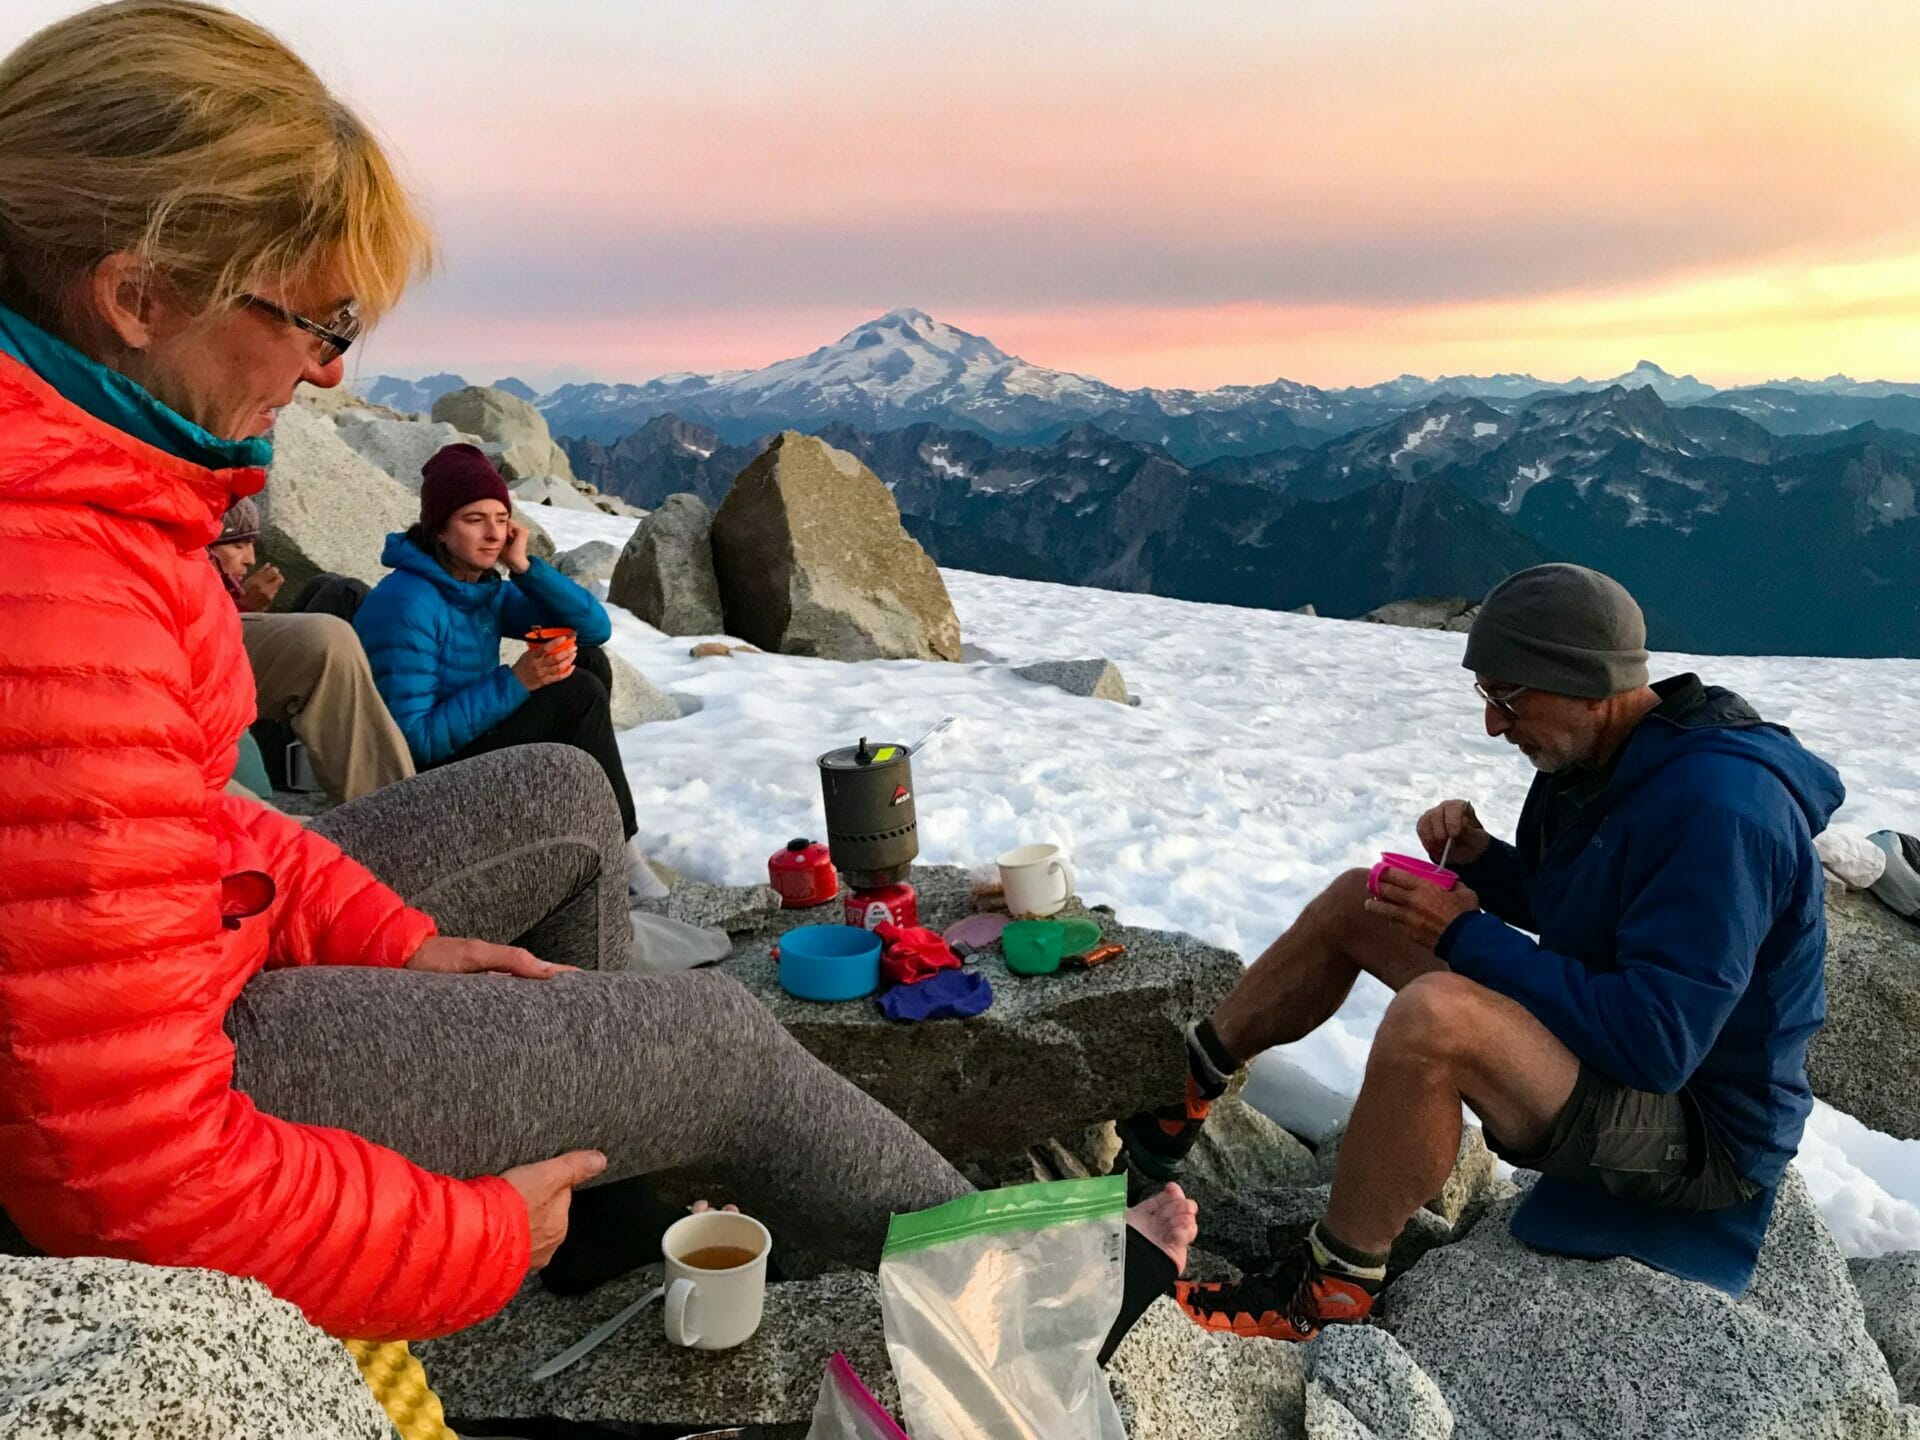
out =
column 547, row 1187
column 449, row 955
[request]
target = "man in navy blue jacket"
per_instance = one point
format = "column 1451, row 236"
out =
column 1646, row 1053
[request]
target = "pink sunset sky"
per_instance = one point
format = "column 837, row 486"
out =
column 1156, row 194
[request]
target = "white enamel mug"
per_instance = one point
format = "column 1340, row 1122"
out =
column 709, row 1309
column 1037, row 879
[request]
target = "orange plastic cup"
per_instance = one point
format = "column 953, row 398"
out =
column 544, row 635
column 553, row 640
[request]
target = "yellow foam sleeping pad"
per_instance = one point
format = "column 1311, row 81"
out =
column 399, row 1383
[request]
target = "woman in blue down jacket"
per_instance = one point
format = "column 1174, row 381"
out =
column 432, row 632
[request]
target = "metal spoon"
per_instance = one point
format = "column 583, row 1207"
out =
column 593, row 1339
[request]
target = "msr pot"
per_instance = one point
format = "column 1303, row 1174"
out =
column 871, row 828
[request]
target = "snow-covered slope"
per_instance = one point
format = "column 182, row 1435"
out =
column 1269, row 752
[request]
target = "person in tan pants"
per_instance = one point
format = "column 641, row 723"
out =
column 309, row 670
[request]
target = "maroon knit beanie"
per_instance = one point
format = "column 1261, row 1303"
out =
column 456, row 477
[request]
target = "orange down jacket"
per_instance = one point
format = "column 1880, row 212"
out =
column 137, row 898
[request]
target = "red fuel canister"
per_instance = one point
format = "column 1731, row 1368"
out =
column 803, row 873
column 883, row 905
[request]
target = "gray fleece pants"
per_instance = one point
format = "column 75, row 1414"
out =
column 472, row 1074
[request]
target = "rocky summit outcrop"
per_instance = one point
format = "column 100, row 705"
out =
column 1529, row 1346
column 812, row 560
column 1453, row 613
column 510, row 430
column 665, row 574
column 1866, row 1060
column 1055, row 1053
column 1889, row 1287
column 1096, row 679
column 326, row 507
column 107, row 1348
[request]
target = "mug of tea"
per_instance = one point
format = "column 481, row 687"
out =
column 1037, row 879
column 716, row 1279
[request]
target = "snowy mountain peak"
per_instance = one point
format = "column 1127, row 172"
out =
column 1674, row 389
column 906, row 363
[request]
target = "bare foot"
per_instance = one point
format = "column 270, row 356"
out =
column 1170, row 1220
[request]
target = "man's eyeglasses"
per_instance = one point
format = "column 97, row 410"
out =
column 336, row 336
column 1501, row 700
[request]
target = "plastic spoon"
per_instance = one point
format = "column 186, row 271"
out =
column 593, row 1339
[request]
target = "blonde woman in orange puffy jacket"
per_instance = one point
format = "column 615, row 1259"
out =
column 223, row 1041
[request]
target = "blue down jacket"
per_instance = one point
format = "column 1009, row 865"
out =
column 1682, row 924
column 434, row 643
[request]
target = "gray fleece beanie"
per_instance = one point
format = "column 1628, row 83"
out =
column 242, row 522
column 1561, row 628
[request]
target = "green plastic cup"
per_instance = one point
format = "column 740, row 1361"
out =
column 1033, row 947
column 1081, row 935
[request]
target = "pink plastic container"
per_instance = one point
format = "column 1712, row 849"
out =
column 1413, row 865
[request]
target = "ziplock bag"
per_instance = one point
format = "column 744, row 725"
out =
column 847, row 1410
column 996, row 1305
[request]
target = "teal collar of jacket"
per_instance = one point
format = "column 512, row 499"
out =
column 115, row 400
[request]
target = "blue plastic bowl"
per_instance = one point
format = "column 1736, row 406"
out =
column 829, row 962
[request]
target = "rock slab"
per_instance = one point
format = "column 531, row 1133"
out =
column 812, row 560
column 1889, row 1287
column 1866, row 1059
column 736, row 909
column 1427, row 613
column 510, row 430
column 638, row 1378
column 1530, row 1346
column 665, row 574
column 1054, row 1054
column 399, row 447
column 1361, row 1384
column 108, row 1349
column 326, row 508
column 1174, row 1381
column 552, row 492
column 1095, row 679
column 589, row 563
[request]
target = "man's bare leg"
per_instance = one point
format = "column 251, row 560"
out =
column 1444, row 1040
column 1303, row 977
column 1290, row 991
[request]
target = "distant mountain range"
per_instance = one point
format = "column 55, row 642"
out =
column 1735, row 540
column 1779, row 518
column 906, row 367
